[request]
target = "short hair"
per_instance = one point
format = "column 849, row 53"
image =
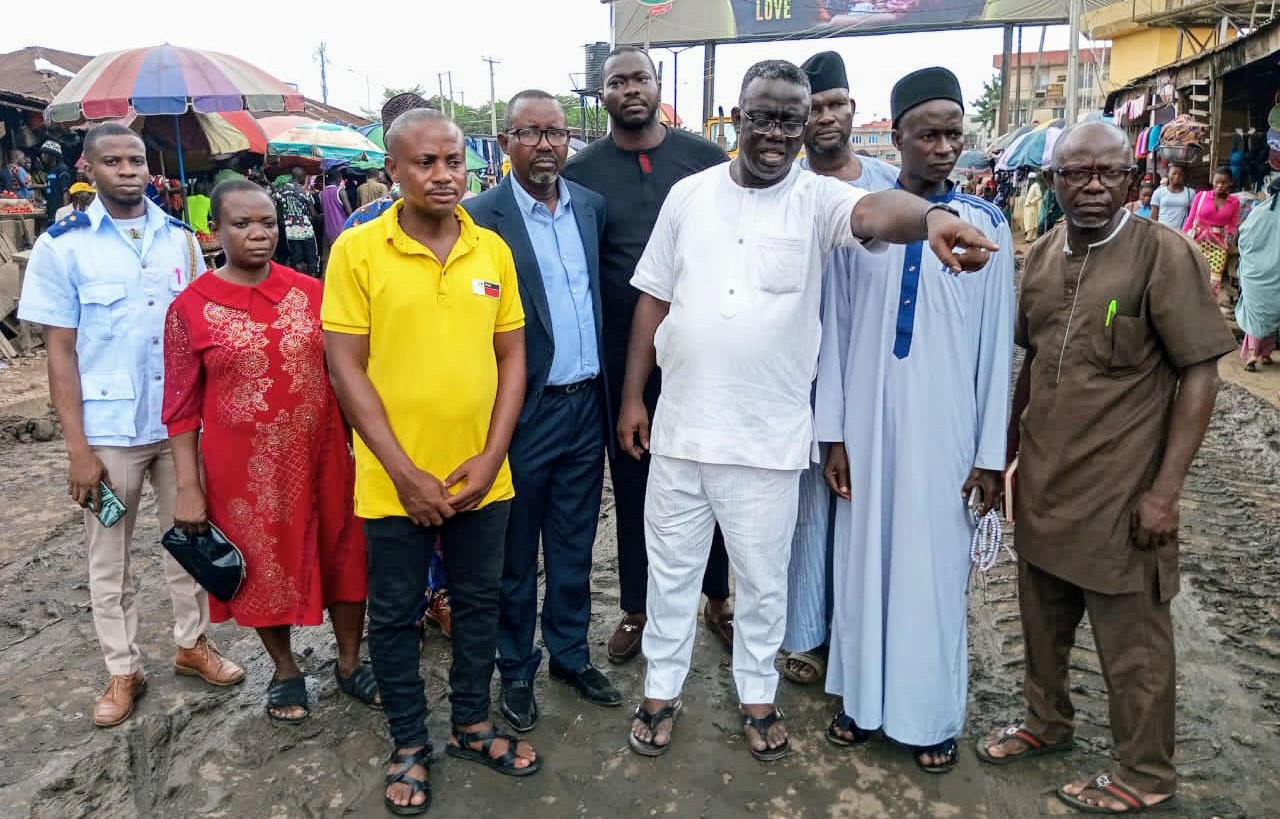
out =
column 527, row 94
column 618, row 51
column 410, row 118
column 774, row 70
column 397, row 105
column 1115, row 132
column 1224, row 170
column 105, row 131
column 228, row 187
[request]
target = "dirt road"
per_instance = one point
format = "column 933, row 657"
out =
column 194, row 751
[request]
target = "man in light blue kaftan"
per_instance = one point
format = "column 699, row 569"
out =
column 912, row 394
column 828, row 151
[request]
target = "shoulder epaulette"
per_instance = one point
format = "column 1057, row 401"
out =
column 76, row 219
column 176, row 222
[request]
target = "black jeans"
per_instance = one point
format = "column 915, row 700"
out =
column 399, row 554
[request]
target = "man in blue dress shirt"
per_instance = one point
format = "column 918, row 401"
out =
column 553, row 227
column 101, row 281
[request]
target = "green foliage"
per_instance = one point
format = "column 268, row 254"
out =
column 987, row 106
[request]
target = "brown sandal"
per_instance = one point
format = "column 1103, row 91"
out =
column 721, row 626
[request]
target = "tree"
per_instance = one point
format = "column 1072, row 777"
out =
column 987, row 106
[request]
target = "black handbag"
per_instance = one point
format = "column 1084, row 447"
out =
column 214, row 562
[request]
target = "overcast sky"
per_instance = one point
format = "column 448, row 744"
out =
column 539, row 43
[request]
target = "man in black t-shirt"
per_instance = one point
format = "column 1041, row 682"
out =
column 633, row 169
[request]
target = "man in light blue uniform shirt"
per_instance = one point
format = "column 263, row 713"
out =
column 101, row 282
column 828, row 151
column 553, row 227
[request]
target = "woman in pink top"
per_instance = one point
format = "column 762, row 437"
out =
column 1212, row 223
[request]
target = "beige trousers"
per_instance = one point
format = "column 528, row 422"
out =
column 115, row 614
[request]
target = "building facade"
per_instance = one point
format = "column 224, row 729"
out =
column 1038, row 81
column 875, row 139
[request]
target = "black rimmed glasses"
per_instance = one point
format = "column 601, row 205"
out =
column 530, row 137
column 763, row 125
column 1109, row 177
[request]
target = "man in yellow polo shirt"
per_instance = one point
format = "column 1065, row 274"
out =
column 428, row 361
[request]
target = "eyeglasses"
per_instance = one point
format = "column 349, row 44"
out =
column 1080, row 177
column 530, row 137
column 763, row 125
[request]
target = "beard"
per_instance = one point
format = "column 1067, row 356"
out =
column 635, row 125
column 547, row 178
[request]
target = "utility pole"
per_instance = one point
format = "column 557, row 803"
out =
column 1073, row 61
column 323, row 59
column 1006, row 55
column 493, row 97
column 440, row 81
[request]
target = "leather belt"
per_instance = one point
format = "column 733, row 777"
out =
column 570, row 389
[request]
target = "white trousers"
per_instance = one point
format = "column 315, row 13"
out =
column 111, row 590
column 756, row 510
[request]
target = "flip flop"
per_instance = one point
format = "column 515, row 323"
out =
column 761, row 726
column 1035, row 746
column 1104, row 784
column 652, row 721
column 815, row 661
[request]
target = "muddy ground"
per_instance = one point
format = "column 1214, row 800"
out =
column 194, row 751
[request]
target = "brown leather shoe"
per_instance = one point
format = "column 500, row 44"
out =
column 116, row 703
column 204, row 661
column 625, row 642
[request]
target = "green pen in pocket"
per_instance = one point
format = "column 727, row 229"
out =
column 1111, row 311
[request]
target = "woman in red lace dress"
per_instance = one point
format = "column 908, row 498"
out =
column 246, row 387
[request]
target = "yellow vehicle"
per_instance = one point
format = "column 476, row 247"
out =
column 719, row 129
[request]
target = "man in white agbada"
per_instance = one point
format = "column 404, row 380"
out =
column 913, row 393
column 730, row 292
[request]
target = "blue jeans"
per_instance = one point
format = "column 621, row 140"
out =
column 399, row 555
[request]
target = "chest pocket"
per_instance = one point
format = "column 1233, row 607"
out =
column 1123, row 346
column 102, row 309
column 782, row 265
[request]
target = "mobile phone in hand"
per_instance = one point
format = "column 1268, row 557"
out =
column 110, row 507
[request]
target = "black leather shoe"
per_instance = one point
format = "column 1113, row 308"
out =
column 593, row 686
column 518, row 705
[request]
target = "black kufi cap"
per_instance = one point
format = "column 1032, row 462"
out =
column 922, row 86
column 826, row 71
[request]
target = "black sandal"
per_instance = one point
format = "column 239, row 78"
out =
column 761, row 726
column 505, row 764
column 290, row 693
column 361, row 684
column 947, row 748
column 652, row 721
column 844, row 722
column 422, row 757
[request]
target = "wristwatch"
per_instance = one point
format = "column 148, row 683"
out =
column 924, row 218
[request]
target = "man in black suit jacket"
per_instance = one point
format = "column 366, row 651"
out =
column 553, row 227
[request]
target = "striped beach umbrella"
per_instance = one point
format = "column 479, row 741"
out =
column 170, row 80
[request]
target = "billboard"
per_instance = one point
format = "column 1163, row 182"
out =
column 676, row 22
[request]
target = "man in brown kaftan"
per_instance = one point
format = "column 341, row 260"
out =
column 1122, row 338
